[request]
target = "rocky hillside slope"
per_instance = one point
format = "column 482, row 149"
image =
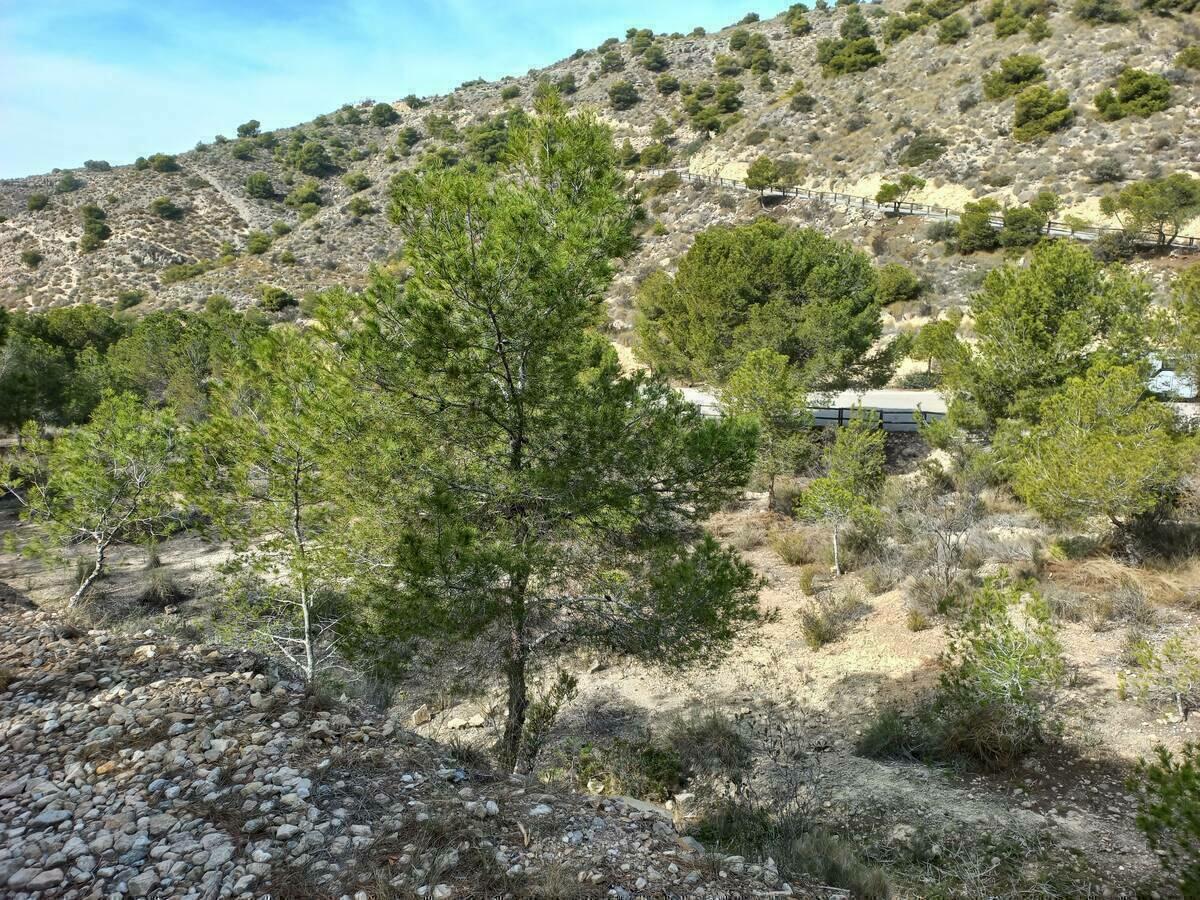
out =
column 847, row 132
column 141, row 767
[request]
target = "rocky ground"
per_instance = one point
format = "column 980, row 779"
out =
column 137, row 766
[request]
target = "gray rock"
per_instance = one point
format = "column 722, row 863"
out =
column 49, row 818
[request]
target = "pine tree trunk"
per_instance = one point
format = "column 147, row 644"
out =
column 518, row 699
column 837, row 561
column 86, row 584
column 310, row 665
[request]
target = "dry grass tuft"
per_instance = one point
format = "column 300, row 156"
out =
column 1104, row 574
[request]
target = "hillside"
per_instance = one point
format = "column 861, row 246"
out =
column 847, row 132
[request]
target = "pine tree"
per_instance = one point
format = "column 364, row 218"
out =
column 540, row 496
column 111, row 481
column 765, row 389
column 853, row 480
column 262, row 474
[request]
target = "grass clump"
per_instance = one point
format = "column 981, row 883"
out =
column 825, row 619
column 796, row 548
column 709, row 744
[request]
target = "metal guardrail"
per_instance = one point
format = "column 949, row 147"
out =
column 903, row 208
column 891, row 420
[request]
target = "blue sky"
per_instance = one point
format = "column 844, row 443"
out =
column 117, row 79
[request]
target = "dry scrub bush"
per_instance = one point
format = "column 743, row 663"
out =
column 798, row 547
column 825, row 618
column 709, row 744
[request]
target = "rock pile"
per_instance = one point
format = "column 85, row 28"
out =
column 141, row 767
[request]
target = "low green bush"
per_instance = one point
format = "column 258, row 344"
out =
column 274, row 299
column 1167, row 789
column 258, row 243
column 1040, row 111
column 1001, row 669
column 1137, row 93
column 623, row 95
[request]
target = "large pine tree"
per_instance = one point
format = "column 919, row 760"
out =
column 534, row 493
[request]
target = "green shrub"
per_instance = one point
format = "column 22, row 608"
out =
column 942, row 230
column 666, row 84
column 975, row 232
column 274, row 299
column 802, row 103
column 164, row 208
column 623, row 95
column 510, row 92
column 1039, row 29
column 795, row 19
column 663, row 184
column 611, row 61
column 309, row 157
column 824, row 620
column 37, row 201
column 95, row 229
column 897, row 282
column 953, row 29
column 359, row 206
column 258, row 186
column 97, row 165
column 1170, row 673
column 915, row 619
column 897, row 27
column 128, row 299
column 242, row 150
column 655, row 58
column 708, row 744
column 1022, row 227
column 637, row 768
column 185, row 271
column 1040, row 111
column 162, row 162
column 306, row 192
column 844, row 57
column 258, row 243
column 1100, row 11
column 796, row 548
column 1189, row 57
column 890, row 735
column 1167, row 789
column 999, row 672
column 1138, row 93
column 356, row 181
column 248, row 129
column 31, row 258
column 1015, row 74
column 382, row 115
column 68, row 183
column 922, row 148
